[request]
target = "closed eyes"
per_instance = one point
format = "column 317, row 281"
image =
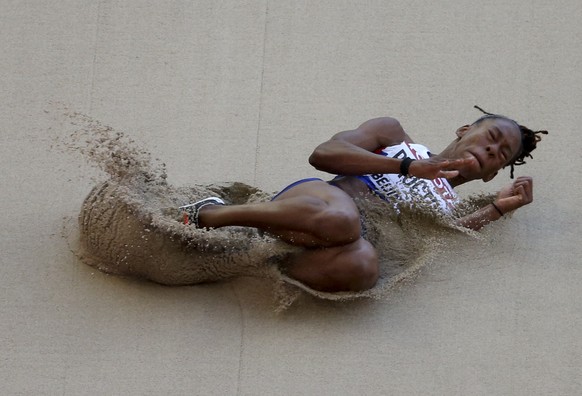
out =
column 495, row 134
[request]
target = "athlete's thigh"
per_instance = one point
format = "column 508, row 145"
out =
column 319, row 189
column 335, row 221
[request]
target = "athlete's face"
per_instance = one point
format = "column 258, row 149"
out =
column 490, row 145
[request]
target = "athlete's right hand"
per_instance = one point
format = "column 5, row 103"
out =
column 436, row 167
column 515, row 195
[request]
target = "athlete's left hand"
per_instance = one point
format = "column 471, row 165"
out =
column 436, row 167
column 516, row 195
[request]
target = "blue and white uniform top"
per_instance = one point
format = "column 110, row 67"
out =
column 394, row 187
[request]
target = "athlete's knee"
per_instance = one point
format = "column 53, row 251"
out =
column 339, row 226
column 352, row 267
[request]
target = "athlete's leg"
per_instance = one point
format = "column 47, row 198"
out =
column 311, row 214
column 352, row 267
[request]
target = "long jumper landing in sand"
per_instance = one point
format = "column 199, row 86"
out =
column 128, row 223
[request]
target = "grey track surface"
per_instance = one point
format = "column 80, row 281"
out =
column 244, row 90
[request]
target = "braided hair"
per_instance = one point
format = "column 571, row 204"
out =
column 529, row 138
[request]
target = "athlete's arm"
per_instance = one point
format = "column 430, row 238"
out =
column 352, row 152
column 510, row 198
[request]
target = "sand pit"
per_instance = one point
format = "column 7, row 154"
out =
column 128, row 226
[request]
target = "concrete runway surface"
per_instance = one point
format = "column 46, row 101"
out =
column 244, row 90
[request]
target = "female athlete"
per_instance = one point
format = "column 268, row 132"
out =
column 377, row 160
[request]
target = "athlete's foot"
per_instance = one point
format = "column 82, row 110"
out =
column 190, row 214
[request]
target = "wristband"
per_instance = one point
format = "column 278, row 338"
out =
column 404, row 165
column 497, row 209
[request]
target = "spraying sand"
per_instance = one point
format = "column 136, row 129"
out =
column 128, row 226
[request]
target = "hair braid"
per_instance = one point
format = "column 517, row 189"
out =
column 529, row 138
